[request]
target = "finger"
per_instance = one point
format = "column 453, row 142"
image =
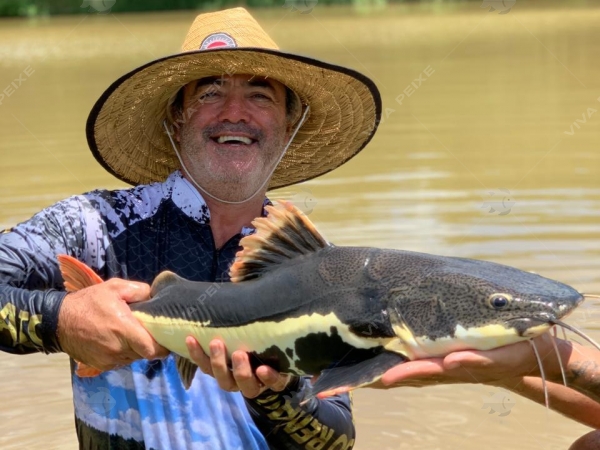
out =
column 142, row 343
column 133, row 291
column 413, row 369
column 466, row 359
column 198, row 356
column 218, row 362
column 272, row 379
column 248, row 384
column 514, row 360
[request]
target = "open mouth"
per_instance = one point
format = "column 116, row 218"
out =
column 233, row 140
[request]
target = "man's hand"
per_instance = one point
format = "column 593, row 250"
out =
column 489, row 367
column 240, row 378
column 96, row 327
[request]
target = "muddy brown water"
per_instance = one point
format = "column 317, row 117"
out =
column 498, row 112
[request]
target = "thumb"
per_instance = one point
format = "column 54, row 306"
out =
column 134, row 291
column 465, row 359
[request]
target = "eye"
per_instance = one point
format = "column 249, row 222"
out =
column 208, row 95
column 261, row 97
column 499, row 301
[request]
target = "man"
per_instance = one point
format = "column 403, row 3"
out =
column 203, row 135
column 515, row 367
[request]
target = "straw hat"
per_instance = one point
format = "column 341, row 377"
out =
column 125, row 127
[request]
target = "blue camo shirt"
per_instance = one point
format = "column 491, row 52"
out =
column 135, row 234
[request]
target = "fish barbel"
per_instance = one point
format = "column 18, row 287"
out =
column 348, row 314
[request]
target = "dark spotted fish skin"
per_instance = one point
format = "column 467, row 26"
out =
column 370, row 292
column 307, row 307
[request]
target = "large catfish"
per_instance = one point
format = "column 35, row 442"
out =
column 304, row 306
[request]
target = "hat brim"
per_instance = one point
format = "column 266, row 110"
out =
column 125, row 127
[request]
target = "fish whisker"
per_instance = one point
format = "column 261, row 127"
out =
column 564, row 333
column 576, row 331
column 562, row 369
column 542, row 373
column 591, row 295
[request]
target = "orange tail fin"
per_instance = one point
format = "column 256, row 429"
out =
column 78, row 276
column 85, row 371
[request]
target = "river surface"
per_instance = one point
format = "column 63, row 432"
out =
column 492, row 154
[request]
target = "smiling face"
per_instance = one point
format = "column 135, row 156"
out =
column 233, row 133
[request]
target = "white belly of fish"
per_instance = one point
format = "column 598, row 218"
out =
column 475, row 338
column 253, row 337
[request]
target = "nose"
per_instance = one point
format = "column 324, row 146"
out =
column 234, row 109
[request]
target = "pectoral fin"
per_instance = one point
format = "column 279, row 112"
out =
column 187, row 370
column 346, row 378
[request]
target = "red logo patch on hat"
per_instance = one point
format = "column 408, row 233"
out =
column 217, row 40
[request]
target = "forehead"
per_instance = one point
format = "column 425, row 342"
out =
column 242, row 80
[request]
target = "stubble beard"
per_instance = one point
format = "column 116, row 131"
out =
column 224, row 177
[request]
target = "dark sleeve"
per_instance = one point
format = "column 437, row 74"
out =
column 30, row 281
column 316, row 425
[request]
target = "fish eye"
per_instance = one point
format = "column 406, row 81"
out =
column 499, row 301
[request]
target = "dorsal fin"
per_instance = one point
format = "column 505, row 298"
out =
column 283, row 235
column 162, row 280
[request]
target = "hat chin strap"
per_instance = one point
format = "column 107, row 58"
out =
column 260, row 188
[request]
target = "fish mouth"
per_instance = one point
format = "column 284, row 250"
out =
column 548, row 316
column 532, row 326
column 566, row 306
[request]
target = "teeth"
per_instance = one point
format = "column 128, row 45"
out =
column 244, row 140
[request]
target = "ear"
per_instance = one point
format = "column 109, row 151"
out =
column 178, row 105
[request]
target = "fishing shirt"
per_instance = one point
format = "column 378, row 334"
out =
column 136, row 234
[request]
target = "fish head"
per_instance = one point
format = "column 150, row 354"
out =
column 461, row 304
column 485, row 293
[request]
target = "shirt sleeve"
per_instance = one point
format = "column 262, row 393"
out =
column 30, row 282
column 316, row 425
